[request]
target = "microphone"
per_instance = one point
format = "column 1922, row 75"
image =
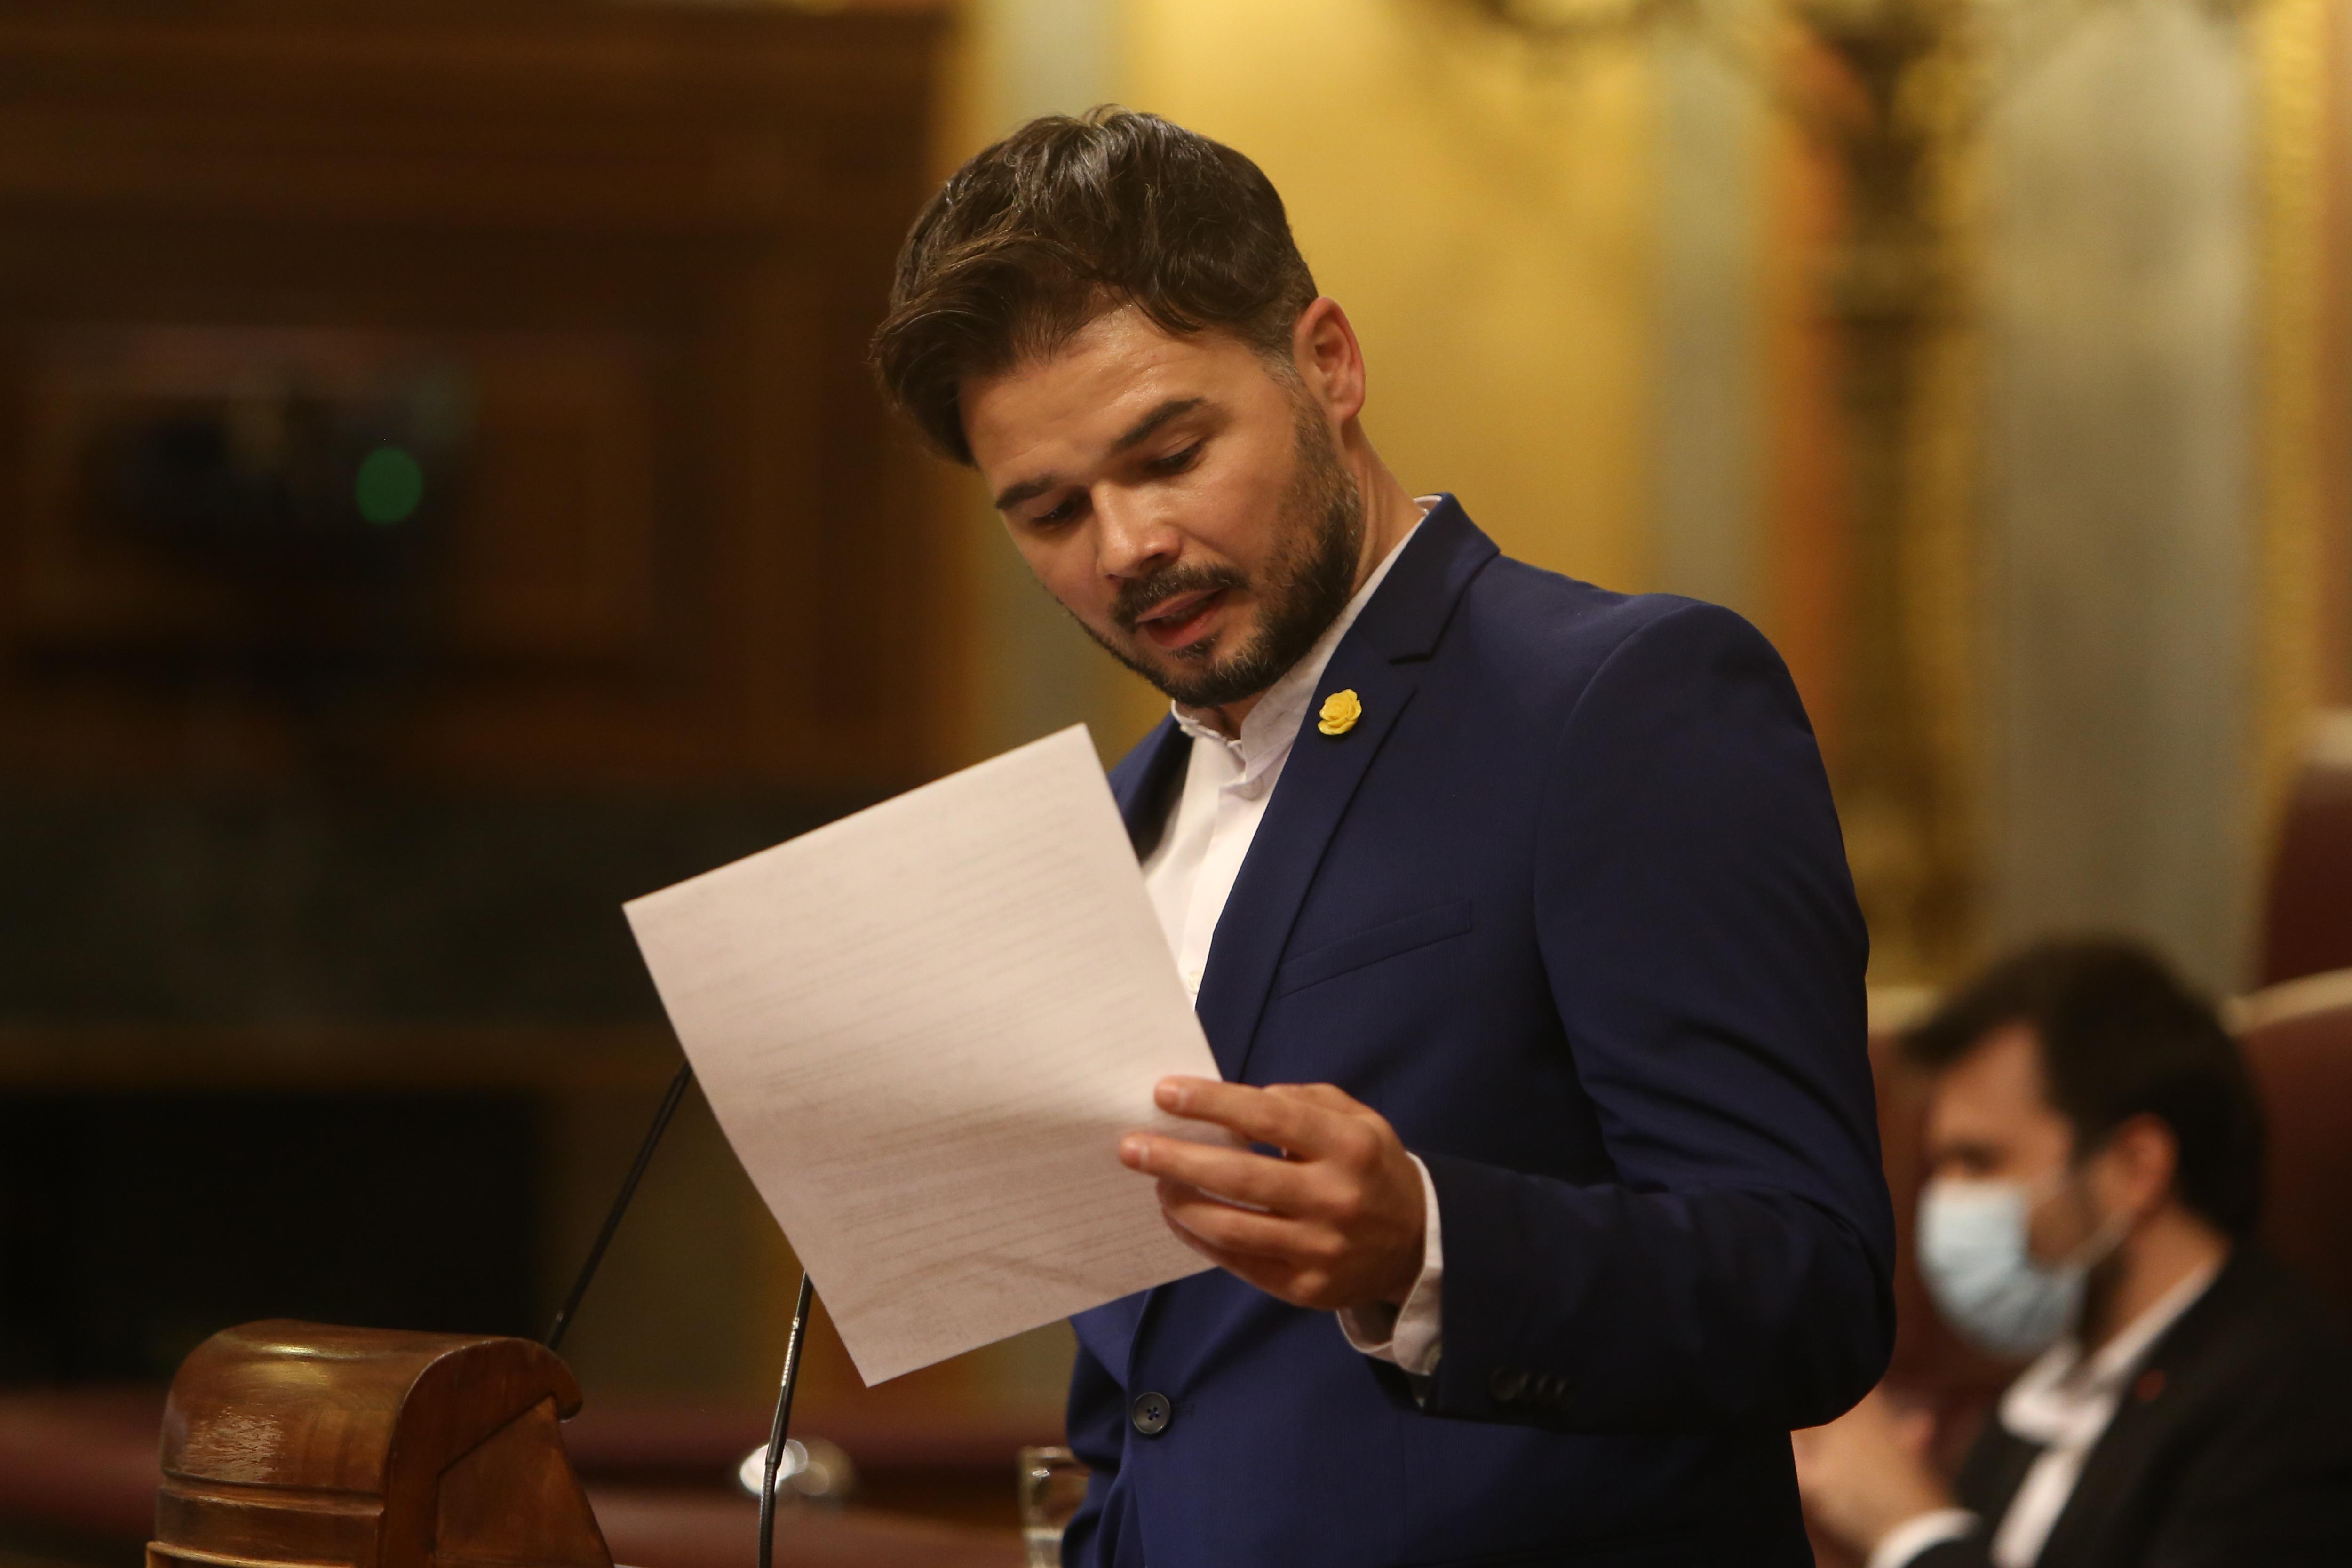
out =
column 553, row 1338
column 782, row 1424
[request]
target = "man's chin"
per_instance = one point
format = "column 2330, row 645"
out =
column 1196, row 677
column 1203, row 693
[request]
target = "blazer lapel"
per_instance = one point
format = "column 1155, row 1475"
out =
column 1399, row 627
column 1994, row 1470
column 1144, row 781
column 1397, row 630
column 2121, row 1464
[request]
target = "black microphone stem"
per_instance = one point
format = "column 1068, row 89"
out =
column 783, row 1419
column 553, row 1338
column 782, row 1424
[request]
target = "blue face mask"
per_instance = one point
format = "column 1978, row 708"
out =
column 1979, row 1266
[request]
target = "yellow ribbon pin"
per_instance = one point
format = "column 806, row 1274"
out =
column 1340, row 712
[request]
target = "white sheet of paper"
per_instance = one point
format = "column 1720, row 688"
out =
column 924, row 1029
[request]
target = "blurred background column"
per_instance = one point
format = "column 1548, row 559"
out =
column 2121, row 307
column 1710, row 418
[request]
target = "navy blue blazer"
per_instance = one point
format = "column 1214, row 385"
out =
column 1569, row 906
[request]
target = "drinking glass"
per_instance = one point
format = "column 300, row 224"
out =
column 1053, row 1483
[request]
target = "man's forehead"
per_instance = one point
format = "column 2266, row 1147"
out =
column 1076, row 400
column 1994, row 1089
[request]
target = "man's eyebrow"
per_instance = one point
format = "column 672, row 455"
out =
column 1142, row 429
column 1135, row 434
column 1027, row 490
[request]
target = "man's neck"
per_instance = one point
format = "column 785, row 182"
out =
column 2164, row 1250
column 1389, row 513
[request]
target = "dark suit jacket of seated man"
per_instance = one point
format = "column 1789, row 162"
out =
column 2093, row 1145
column 2229, row 1448
column 1550, row 888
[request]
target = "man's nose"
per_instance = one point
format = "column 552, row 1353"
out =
column 1132, row 541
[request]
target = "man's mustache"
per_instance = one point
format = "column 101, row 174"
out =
column 1138, row 598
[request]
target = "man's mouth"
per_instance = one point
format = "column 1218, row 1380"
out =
column 1181, row 621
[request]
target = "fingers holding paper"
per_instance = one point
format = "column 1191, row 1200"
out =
column 1334, row 1222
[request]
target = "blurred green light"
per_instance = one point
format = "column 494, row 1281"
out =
column 390, row 486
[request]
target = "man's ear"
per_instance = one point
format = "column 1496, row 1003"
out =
column 2137, row 1167
column 1329, row 360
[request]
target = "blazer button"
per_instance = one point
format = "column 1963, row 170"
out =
column 1149, row 1414
column 1506, row 1386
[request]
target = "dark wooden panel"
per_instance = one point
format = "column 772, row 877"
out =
column 678, row 542
column 136, row 1224
column 355, row 912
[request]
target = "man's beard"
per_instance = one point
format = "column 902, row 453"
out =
column 1308, row 580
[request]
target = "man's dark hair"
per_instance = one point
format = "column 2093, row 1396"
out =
column 1066, row 219
column 2121, row 1036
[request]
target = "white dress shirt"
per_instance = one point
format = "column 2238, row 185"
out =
column 1189, row 875
column 2063, row 1405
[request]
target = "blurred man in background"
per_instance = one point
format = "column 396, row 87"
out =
column 2095, row 1152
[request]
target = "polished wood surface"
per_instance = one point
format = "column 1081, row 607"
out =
column 2298, row 1045
column 287, row 1442
column 2308, row 925
column 77, row 1470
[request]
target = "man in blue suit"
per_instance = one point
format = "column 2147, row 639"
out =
column 1514, row 911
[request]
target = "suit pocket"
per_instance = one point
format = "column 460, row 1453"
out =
column 1387, row 940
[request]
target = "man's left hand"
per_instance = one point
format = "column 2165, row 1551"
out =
column 1868, row 1472
column 1334, row 1222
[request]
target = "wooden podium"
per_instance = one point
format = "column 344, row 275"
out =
column 292, row 1445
